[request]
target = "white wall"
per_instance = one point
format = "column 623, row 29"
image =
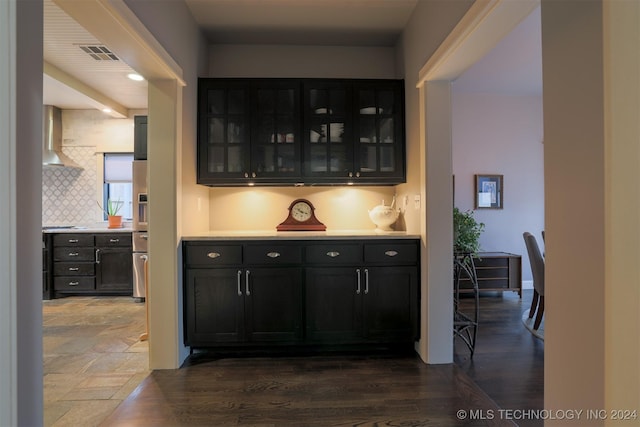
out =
column 430, row 24
column 591, row 52
column 301, row 61
column 21, row 163
column 501, row 134
column 173, row 193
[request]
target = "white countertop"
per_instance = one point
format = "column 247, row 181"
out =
column 90, row 228
column 299, row 235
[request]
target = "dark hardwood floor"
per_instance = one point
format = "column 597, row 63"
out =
column 508, row 363
column 353, row 389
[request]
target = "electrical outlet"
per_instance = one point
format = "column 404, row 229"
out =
column 416, row 201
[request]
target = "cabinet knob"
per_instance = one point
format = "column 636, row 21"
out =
column 333, row 254
column 213, row 255
column 391, row 253
column 273, row 254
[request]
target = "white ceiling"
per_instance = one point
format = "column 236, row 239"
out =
column 514, row 63
column 303, row 22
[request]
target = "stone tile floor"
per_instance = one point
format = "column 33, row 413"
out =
column 93, row 357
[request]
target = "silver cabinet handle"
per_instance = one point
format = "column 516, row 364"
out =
column 213, row 255
column 74, row 269
column 144, row 237
column 273, row 254
column 333, row 254
column 144, row 257
column 97, row 256
column 74, row 283
column 391, row 253
column 73, row 240
column 73, row 254
column 358, row 289
column 247, row 283
column 239, row 284
column 366, row 281
column 114, row 240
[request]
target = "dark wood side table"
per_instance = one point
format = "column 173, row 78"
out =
column 497, row 271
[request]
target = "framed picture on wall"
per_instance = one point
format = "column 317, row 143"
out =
column 489, row 191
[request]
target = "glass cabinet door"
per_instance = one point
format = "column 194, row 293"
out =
column 224, row 127
column 328, row 142
column 275, row 145
column 380, row 132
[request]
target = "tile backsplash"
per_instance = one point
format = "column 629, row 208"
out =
column 69, row 195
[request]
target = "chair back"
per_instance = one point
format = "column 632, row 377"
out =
column 536, row 260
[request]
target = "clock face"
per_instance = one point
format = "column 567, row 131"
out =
column 301, row 211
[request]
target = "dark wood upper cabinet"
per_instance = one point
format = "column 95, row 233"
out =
column 309, row 131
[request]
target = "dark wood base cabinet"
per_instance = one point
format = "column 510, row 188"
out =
column 301, row 293
column 91, row 264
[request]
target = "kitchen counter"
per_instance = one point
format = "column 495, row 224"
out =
column 300, row 235
column 97, row 228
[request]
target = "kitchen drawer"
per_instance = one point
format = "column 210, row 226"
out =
column 486, row 261
column 74, row 284
column 74, row 269
column 334, row 253
column 391, row 253
column 80, row 239
column 212, row 255
column 74, row 254
column 107, row 240
column 273, row 254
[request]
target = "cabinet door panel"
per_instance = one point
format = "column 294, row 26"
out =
column 273, row 305
column 214, row 307
column 114, row 272
column 275, row 141
column 333, row 304
column 223, row 131
column 391, row 303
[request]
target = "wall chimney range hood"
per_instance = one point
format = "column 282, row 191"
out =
column 52, row 154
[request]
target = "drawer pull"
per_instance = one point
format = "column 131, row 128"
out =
column 358, row 289
column 74, row 283
column 114, row 240
column 73, row 254
column 333, row 254
column 239, row 283
column 213, row 255
column 391, row 253
column 74, row 269
column 273, row 254
column 73, row 240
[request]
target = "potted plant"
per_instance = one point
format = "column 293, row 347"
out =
column 466, row 232
column 112, row 209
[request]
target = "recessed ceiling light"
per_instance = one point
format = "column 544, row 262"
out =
column 136, row 77
column 106, row 110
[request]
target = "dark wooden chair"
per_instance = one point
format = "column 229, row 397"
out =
column 537, row 269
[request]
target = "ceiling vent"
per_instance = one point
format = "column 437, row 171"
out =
column 99, row 53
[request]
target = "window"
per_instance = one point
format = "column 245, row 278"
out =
column 118, row 182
